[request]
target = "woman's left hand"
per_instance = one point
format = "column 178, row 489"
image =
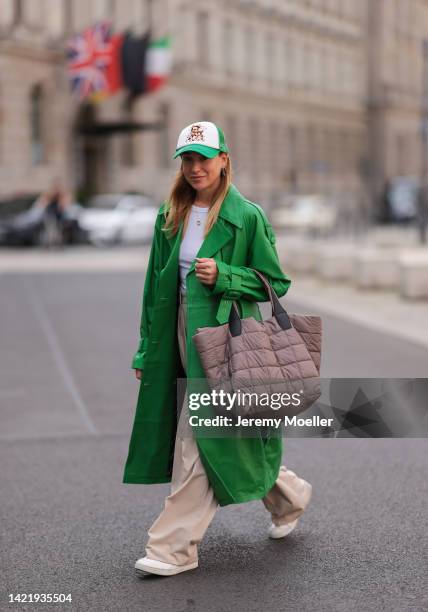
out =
column 206, row 270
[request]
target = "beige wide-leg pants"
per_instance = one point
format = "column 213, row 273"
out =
column 191, row 505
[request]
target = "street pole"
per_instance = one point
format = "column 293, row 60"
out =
column 423, row 191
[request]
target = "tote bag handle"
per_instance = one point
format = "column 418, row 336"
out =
column 278, row 311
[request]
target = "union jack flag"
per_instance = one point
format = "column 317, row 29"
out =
column 89, row 55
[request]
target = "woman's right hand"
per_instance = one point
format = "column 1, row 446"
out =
column 138, row 374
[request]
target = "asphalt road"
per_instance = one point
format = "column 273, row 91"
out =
column 69, row 525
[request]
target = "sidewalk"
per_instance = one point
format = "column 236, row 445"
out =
column 382, row 311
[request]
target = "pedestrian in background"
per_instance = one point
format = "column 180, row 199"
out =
column 54, row 202
column 207, row 236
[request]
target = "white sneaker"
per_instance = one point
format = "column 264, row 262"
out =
column 280, row 531
column 152, row 566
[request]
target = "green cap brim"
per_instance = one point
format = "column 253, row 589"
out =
column 202, row 149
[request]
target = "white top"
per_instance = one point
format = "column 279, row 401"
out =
column 192, row 241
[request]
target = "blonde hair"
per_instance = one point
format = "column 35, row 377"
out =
column 182, row 196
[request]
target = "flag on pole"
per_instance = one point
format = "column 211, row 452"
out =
column 94, row 63
column 100, row 63
column 158, row 63
column 114, row 67
column 133, row 61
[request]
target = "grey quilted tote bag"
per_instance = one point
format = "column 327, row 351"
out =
column 277, row 359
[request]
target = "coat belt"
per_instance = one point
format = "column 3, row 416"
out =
column 234, row 292
column 223, row 310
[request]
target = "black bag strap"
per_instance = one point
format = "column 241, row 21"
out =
column 278, row 311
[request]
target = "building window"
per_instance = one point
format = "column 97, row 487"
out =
column 110, row 8
column 128, row 139
column 299, row 63
column 310, row 152
column 228, row 50
column 343, row 161
column 38, row 152
column 230, row 133
column 284, row 63
column 292, row 157
column 325, row 70
column 402, row 155
column 17, row 12
column 318, row 66
column 249, row 52
column 269, row 58
column 290, row 64
column 424, row 73
column 274, row 157
column 254, row 148
column 68, row 17
column 308, row 60
column 164, row 149
column 202, row 39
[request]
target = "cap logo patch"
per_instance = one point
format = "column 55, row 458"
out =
column 196, row 133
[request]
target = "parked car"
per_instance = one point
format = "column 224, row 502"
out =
column 23, row 222
column 308, row 213
column 119, row 218
column 20, row 223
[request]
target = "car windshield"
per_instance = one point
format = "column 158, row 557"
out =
column 15, row 206
column 105, row 201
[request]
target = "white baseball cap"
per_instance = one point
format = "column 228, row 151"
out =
column 203, row 137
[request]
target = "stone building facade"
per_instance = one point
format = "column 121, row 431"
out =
column 396, row 81
column 293, row 83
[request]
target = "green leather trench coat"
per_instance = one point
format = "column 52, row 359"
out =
column 238, row 469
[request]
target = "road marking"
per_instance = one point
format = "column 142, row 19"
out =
column 60, row 360
column 60, row 435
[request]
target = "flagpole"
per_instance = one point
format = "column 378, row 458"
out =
column 150, row 14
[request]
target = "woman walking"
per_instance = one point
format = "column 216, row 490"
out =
column 207, row 237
